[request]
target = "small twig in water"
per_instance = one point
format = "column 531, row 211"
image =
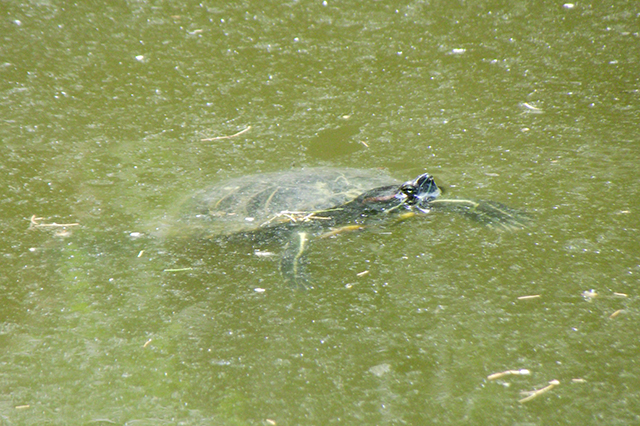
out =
column 533, row 296
column 521, row 372
column 538, row 392
column 227, row 137
column 615, row 314
column 36, row 224
column 531, row 107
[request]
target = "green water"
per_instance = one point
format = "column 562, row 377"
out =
column 103, row 111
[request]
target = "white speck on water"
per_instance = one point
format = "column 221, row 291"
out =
column 589, row 295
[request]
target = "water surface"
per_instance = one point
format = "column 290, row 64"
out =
column 104, row 111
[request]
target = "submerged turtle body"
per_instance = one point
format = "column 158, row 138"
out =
column 292, row 206
column 255, row 202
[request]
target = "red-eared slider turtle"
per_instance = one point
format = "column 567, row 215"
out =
column 292, row 206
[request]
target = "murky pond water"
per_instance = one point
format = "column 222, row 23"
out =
column 111, row 115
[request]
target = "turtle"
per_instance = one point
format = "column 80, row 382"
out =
column 293, row 206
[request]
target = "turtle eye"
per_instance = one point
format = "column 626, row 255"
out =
column 409, row 190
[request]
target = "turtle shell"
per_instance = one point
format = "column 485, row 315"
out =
column 252, row 202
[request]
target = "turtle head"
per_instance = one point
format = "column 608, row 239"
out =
column 418, row 193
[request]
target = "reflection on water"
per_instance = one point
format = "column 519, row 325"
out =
column 104, row 113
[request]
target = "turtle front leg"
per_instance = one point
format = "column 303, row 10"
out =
column 291, row 262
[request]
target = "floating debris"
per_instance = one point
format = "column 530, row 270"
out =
column 616, row 313
column 177, row 270
column 362, row 274
column 227, row 137
column 589, row 295
column 533, row 296
column 35, row 223
column 521, row 372
column 536, row 393
column 531, row 108
column 62, row 234
column 294, row 217
column 147, row 343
